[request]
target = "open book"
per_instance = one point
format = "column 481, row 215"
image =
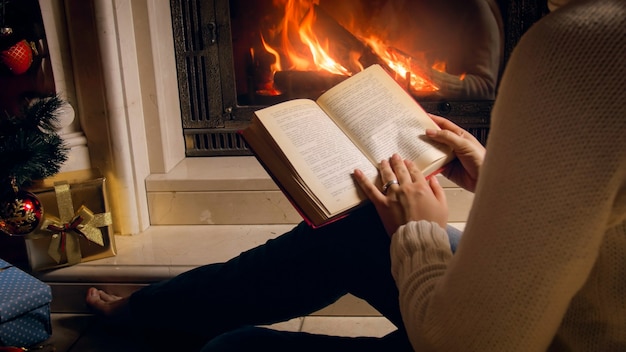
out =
column 311, row 148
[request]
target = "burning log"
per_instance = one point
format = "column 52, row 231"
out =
column 353, row 53
column 409, row 71
column 347, row 49
column 305, row 83
column 350, row 51
column 337, row 54
column 369, row 57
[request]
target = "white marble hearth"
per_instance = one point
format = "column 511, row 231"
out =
column 218, row 190
column 237, row 190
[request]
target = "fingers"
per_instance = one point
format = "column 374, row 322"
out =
column 433, row 183
column 456, row 140
column 404, row 172
column 387, row 172
column 400, row 170
column 413, row 199
column 371, row 191
column 435, row 186
column 450, row 134
column 416, row 174
column 446, row 124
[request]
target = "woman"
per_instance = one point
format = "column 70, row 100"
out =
column 542, row 262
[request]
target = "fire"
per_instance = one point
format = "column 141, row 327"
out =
column 295, row 46
column 308, row 54
column 410, row 70
column 276, row 66
column 322, row 60
column 267, row 87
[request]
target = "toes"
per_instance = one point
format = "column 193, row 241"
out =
column 108, row 305
column 102, row 302
column 92, row 295
column 107, row 298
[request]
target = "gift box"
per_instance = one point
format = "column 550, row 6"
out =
column 76, row 225
column 24, row 308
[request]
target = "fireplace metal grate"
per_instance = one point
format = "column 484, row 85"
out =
column 214, row 142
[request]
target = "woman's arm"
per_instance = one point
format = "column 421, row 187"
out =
column 545, row 196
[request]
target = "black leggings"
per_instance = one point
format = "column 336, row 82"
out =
column 290, row 276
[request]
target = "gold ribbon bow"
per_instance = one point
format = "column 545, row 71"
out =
column 70, row 226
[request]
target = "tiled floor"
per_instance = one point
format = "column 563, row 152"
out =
column 164, row 251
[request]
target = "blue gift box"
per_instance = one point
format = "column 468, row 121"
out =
column 24, row 308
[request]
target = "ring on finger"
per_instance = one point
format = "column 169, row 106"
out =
column 388, row 184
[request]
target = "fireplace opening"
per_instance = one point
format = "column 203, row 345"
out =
column 299, row 48
column 236, row 56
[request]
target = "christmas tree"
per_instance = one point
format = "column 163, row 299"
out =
column 30, row 147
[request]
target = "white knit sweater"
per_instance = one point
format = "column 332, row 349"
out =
column 542, row 263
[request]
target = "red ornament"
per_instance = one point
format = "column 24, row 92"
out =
column 20, row 214
column 18, row 58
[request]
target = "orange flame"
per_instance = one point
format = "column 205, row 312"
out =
column 298, row 22
column 276, row 66
column 408, row 68
column 303, row 51
column 321, row 59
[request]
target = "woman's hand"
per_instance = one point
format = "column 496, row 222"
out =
column 411, row 198
column 469, row 152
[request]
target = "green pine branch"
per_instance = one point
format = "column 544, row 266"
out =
column 30, row 147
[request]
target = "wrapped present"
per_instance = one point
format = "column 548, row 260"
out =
column 24, row 308
column 76, row 226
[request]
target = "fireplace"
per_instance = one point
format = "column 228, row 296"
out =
column 234, row 57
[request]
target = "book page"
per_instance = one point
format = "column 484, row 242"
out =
column 382, row 118
column 322, row 154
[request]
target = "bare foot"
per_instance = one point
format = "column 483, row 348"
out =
column 108, row 305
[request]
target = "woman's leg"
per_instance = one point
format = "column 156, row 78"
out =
column 290, row 276
column 263, row 339
column 293, row 275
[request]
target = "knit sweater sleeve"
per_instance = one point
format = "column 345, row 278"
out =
column 420, row 253
column 539, row 263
